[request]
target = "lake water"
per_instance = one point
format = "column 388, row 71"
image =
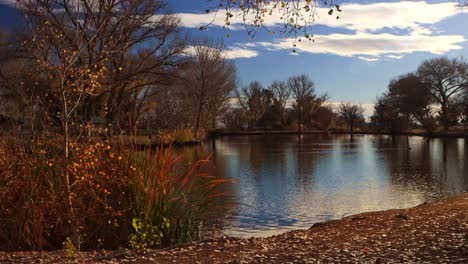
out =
column 286, row 182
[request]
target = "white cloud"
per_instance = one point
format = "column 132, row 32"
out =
column 370, row 46
column 396, row 57
column 409, row 26
column 8, row 2
column 414, row 16
column 367, row 58
column 237, row 51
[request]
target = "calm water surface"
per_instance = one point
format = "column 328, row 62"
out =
column 285, row 182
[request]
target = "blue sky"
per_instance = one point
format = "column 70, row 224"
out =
column 351, row 59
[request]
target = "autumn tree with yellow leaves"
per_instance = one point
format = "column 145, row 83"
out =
column 95, row 55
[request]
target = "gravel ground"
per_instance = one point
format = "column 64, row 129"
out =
column 434, row 232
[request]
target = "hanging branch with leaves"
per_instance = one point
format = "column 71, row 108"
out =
column 296, row 16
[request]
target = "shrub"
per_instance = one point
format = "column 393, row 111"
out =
column 113, row 189
column 180, row 136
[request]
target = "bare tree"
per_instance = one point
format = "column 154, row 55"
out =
column 324, row 117
column 136, row 41
column 445, row 78
column 255, row 100
column 462, row 103
column 302, row 87
column 350, row 114
column 281, row 95
column 234, row 118
column 169, row 111
column 411, row 97
column 207, row 81
column 383, row 114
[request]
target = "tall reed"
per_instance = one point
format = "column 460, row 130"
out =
column 172, row 196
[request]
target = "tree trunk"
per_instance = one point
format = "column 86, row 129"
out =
column 282, row 117
column 199, row 114
column 299, row 119
column 75, row 236
column 197, row 124
column 445, row 121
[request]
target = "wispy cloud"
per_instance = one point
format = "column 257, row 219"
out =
column 369, row 47
column 414, row 16
column 395, row 57
column 386, row 30
column 8, row 2
column 237, row 51
column 368, row 59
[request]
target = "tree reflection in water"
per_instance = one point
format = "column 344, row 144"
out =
column 285, row 182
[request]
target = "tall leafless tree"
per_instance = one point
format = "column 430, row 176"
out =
column 445, row 78
column 255, row 100
column 281, row 95
column 301, row 87
column 350, row 114
column 135, row 40
column 207, row 81
column 411, row 97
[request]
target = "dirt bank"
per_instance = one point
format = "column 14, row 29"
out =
column 435, row 232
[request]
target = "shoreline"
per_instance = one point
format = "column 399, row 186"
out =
column 407, row 133
column 217, row 134
column 434, row 231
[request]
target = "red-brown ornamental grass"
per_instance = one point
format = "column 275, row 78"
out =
column 174, row 199
column 114, row 189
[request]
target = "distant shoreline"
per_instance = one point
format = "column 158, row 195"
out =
column 453, row 134
column 221, row 133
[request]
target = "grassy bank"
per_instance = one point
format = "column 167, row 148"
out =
column 155, row 139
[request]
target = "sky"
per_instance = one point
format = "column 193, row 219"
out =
column 351, row 59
